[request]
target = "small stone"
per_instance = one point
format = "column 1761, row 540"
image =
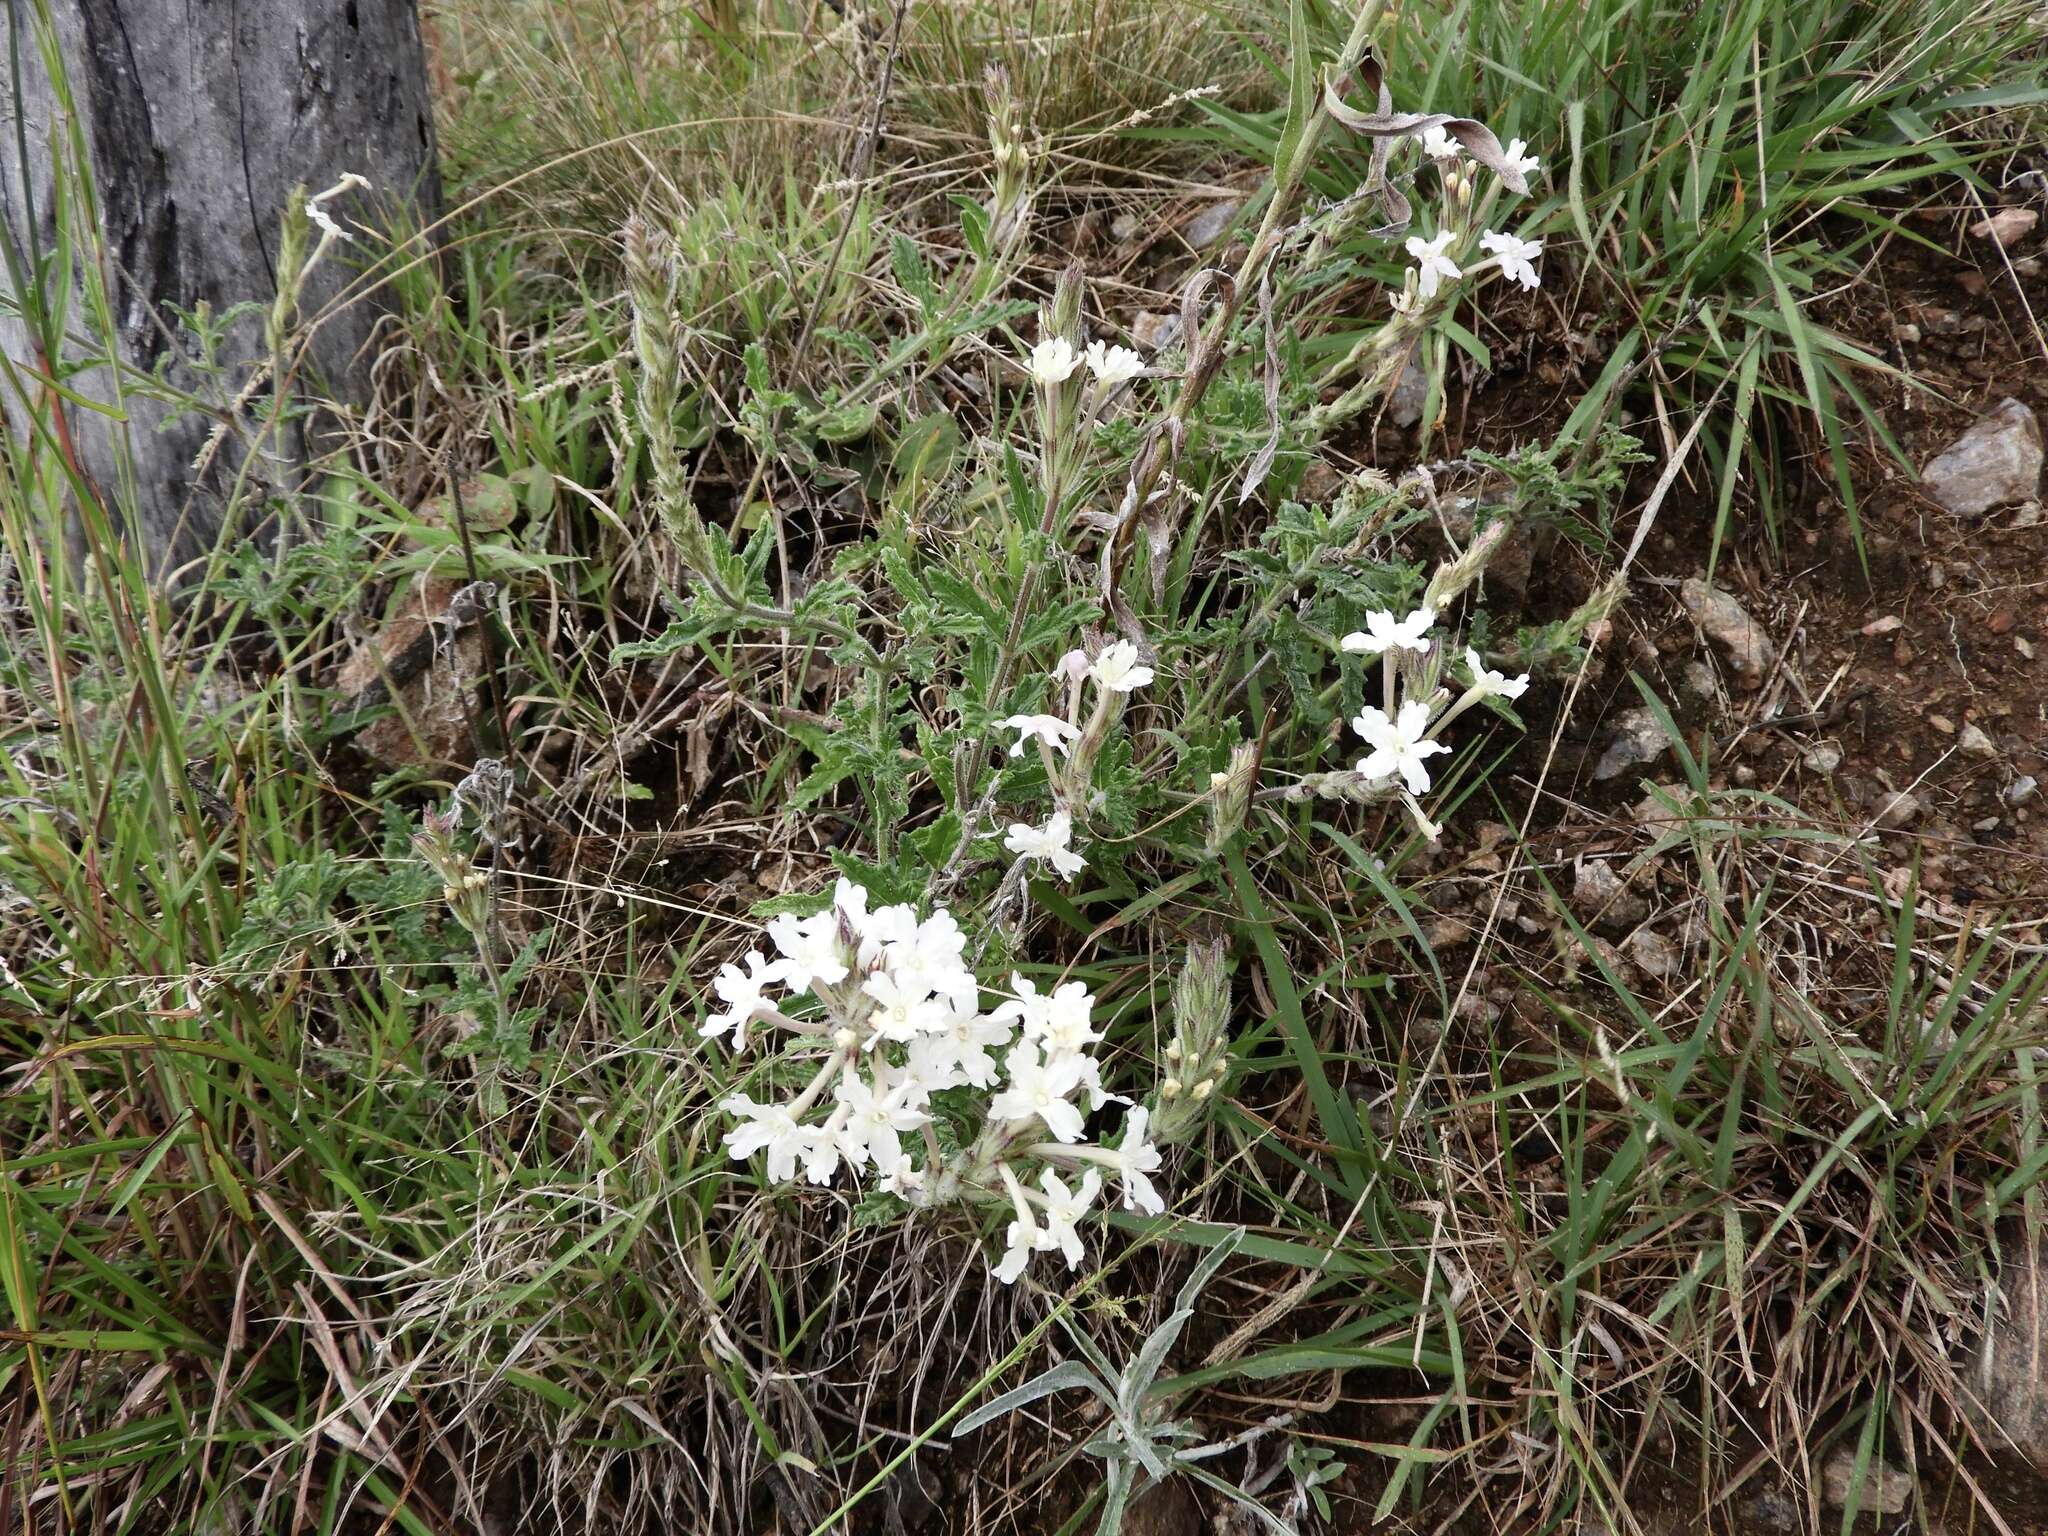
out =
column 1652, row 954
column 1937, row 575
column 1745, row 776
column 1638, row 740
column 1823, row 758
column 2006, row 225
column 1943, row 724
column 2021, row 790
column 1208, row 226
column 1988, row 824
column 1889, row 624
column 1897, row 809
column 1602, row 897
column 1975, row 743
column 1997, row 461
column 2001, row 622
column 1699, row 681
column 2008, row 1379
column 1447, row 932
column 2028, row 516
column 1404, row 405
column 2028, row 266
column 1907, row 333
column 1883, row 1489
column 1725, row 621
column 1972, row 282
column 1124, row 226
column 1155, row 331
column 1952, row 322
column 2024, row 646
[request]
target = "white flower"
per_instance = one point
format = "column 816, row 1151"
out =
column 1039, row 1090
column 1071, row 667
column 1383, row 632
column 875, row 1123
column 1439, row 145
column 810, row 949
column 1062, row 1026
column 905, row 1182
column 1432, row 265
column 1022, row 1240
column 1113, row 365
column 822, row 1147
column 1493, row 684
column 960, row 1053
column 1521, row 160
column 1118, row 668
column 1063, row 1208
column 1050, row 729
column 1398, row 745
column 1514, row 255
column 766, row 1127
column 1048, row 842
column 325, row 220
column 741, row 991
column 1135, row 1157
column 903, row 1009
column 1054, row 360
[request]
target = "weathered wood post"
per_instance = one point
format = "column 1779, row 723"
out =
column 198, row 120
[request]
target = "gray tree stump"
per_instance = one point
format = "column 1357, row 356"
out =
column 199, row 118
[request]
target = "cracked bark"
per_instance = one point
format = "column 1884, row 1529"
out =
column 199, row 119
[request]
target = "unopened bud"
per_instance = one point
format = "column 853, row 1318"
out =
column 1230, row 796
column 1453, row 576
column 1204, row 1088
column 844, row 1038
column 1169, row 1089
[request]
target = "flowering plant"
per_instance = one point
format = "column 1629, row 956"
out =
column 911, row 1081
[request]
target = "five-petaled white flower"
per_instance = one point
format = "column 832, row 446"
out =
column 904, row 1010
column 1432, row 265
column 1048, row 842
column 1439, row 145
column 1398, row 745
column 1514, row 255
column 741, row 991
column 810, row 949
column 770, row 1128
column 1022, row 1242
column 1063, row 1208
column 1133, row 1158
column 1384, row 632
column 876, row 1120
column 1054, row 360
column 1519, row 157
column 1050, row 729
column 1040, row 1089
column 1490, row 685
column 1118, row 668
column 1113, row 365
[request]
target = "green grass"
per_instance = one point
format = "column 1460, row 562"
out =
column 274, row 1260
column 1712, row 173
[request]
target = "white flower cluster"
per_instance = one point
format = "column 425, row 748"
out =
column 1054, row 360
column 1435, row 261
column 1116, row 671
column 887, row 1008
column 1402, row 736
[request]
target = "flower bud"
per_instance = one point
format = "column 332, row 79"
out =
column 1230, row 796
column 1201, row 1020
